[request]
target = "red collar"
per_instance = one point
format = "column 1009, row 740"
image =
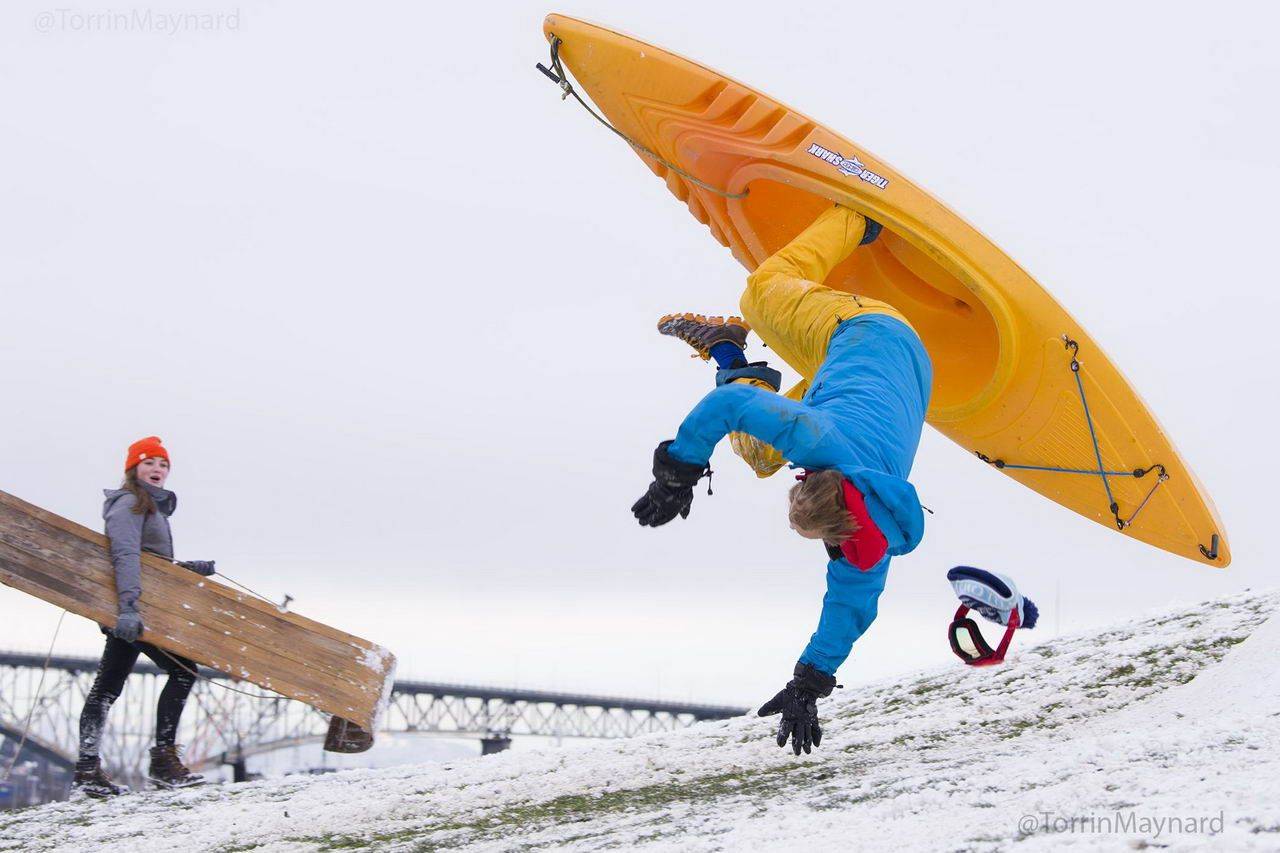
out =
column 868, row 545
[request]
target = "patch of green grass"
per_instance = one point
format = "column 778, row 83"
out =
column 1218, row 646
column 1017, row 727
column 572, row 808
column 926, row 687
column 1119, row 672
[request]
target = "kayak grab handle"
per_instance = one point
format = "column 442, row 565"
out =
column 556, row 74
column 547, row 71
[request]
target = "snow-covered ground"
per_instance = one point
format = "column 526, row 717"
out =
column 1163, row 731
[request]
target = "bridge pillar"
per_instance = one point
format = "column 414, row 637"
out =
column 494, row 743
column 239, row 767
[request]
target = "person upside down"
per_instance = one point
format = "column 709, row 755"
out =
column 853, row 424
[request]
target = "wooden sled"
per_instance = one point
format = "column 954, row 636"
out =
column 68, row 565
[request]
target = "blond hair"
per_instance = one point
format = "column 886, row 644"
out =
column 817, row 508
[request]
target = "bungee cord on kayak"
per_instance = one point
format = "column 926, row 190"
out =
column 1162, row 475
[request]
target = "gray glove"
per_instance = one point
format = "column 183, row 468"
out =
column 200, row 567
column 128, row 626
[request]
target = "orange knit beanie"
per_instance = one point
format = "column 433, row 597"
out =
column 145, row 448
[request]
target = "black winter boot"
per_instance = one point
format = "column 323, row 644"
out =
column 92, row 781
column 167, row 770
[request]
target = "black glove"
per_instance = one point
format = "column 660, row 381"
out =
column 200, row 567
column 128, row 626
column 671, row 492
column 798, row 704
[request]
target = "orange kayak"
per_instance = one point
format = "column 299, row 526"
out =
column 1017, row 381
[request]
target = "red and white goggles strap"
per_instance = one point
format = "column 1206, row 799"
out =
column 968, row 643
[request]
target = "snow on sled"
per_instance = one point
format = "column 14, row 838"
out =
column 1017, row 380
column 252, row 640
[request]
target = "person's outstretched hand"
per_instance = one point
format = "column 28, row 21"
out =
column 671, row 492
column 660, row 504
column 798, row 704
column 200, row 567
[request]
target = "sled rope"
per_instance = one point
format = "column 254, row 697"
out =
column 1101, row 471
column 212, row 681
column 35, row 702
column 560, row 77
column 216, row 682
column 280, row 607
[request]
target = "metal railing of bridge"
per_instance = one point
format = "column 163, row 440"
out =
column 221, row 725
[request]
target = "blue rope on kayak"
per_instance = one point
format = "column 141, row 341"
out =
column 1101, row 471
column 1088, row 471
column 1088, row 418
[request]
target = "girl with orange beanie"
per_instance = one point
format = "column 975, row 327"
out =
column 137, row 520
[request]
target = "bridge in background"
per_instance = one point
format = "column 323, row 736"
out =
column 224, row 726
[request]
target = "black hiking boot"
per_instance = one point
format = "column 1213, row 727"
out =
column 702, row 333
column 92, row 781
column 167, row 770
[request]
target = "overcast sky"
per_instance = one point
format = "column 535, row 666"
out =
column 391, row 304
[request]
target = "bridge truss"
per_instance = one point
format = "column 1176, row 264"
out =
column 231, row 726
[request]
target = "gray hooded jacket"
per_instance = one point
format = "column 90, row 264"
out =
column 132, row 533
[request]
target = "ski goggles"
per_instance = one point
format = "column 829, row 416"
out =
column 994, row 597
column 970, row 646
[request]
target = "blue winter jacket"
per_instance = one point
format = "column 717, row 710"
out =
column 862, row 415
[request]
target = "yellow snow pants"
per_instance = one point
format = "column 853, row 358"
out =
column 796, row 315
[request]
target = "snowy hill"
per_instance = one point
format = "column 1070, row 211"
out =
column 1174, row 717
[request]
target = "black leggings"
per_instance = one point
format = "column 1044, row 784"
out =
column 117, row 662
